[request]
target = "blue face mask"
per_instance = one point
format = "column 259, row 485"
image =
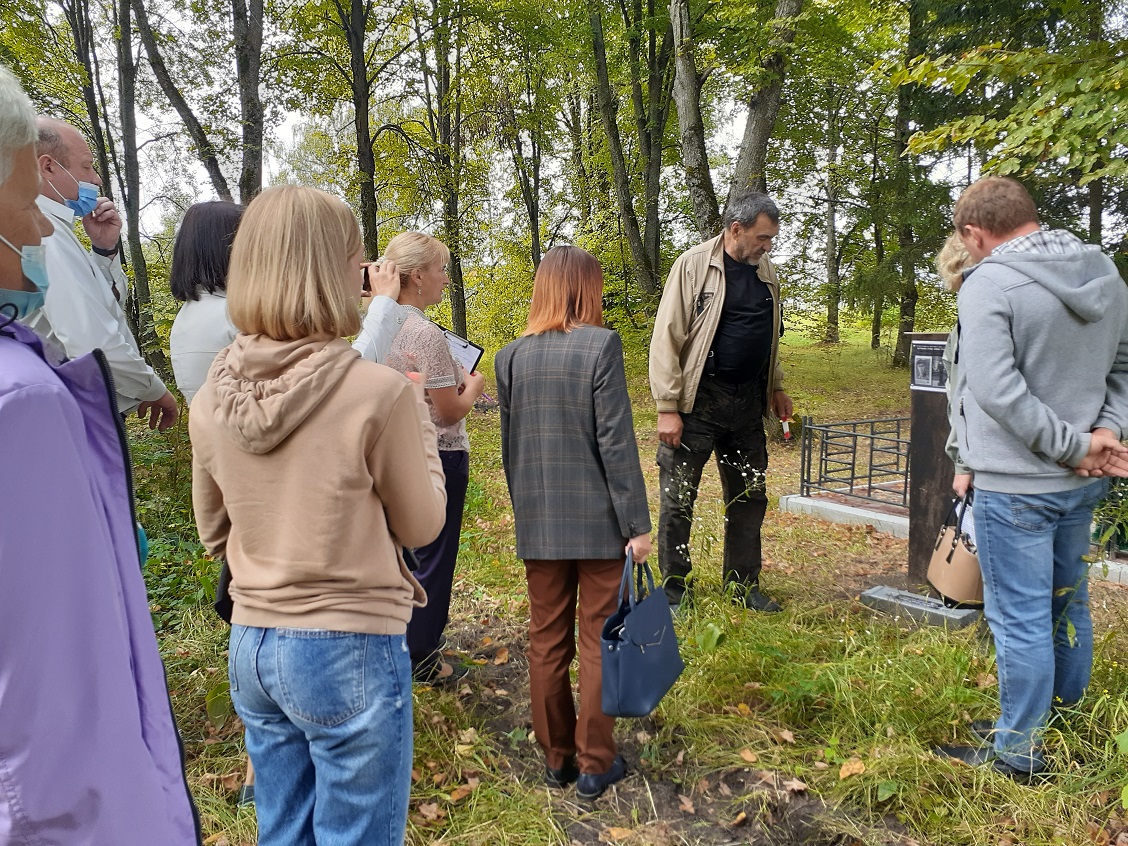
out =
column 87, row 195
column 33, row 261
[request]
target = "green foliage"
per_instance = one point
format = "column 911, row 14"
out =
column 1069, row 111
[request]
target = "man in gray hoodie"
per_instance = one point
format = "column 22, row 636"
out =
column 1040, row 405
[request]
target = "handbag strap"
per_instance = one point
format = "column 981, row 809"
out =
column 631, row 585
column 627, row 588
column 950, row 519
column 964, row 503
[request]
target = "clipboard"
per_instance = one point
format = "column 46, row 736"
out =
column 465, row 352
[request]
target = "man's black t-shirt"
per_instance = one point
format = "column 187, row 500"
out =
column 742, row 346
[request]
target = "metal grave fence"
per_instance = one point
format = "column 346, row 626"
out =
column 862, row 460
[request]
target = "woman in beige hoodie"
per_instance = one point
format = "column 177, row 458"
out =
column 311, row 469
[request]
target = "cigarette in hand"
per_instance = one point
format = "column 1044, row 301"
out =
column 786, row 430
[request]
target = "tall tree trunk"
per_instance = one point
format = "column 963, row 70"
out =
column 143, row 328
column 77, row 14
column 763, row 105
column 205, row 150
column 905, row 210
column 1096, row 210
column 645, row 269
column 575, row 122
column 833, row 280
column 353, row 19
column 449, row 125
column 246, row 20
column 687, row 96
column 879, row 299
column 527, row 168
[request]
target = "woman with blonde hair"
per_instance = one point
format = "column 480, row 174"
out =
column 421, row 261
column 951, row 262
column 579, row 499
column 311, row 469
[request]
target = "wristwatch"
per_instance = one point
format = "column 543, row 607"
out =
column 110, row 253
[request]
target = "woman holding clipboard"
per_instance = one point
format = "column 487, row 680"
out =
column 422, row 346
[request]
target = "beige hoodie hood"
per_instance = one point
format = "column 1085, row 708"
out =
column 265, row 389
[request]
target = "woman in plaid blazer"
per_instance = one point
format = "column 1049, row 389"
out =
column 571, row 461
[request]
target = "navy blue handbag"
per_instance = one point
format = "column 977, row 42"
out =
column 640, row 652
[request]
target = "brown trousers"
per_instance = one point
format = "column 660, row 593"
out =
column 553, row 588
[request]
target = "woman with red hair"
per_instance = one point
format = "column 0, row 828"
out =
column 571, row 461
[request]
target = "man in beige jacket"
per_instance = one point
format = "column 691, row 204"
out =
column 715, row 374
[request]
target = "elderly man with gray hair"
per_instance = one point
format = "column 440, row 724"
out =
column 89, row 753
column 84, row 310
column 715, row 375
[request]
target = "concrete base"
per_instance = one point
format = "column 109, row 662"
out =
column 922, row 609
column 836, row 512
column 1115, row 572
column 1110, row 571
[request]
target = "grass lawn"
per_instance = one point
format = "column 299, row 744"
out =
column 810, row 726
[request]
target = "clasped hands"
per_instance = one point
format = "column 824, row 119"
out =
column 1106, row 457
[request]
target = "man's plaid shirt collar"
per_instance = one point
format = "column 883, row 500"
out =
column 1054, row 241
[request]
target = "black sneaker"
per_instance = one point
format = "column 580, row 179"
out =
column 682, row 603
column 756, row 601
column 438, row 673
column 592, row 785
column 561, row 777
column 983, row 729
column 979, row 756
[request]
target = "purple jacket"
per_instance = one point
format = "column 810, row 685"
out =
column 89, row 752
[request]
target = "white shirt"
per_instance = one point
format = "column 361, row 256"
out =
column 201, row 329
column 381, row 325
column 81, row 313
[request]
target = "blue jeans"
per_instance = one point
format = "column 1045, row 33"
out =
column 328, row 719
column 1036, row 595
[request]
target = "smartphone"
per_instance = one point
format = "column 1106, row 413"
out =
column 366, row 285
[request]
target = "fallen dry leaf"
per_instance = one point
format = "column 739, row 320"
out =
column 852, row 767
column 431, row 811
column 463, row 749
column 643, row 737
column 217, row 840
column 743, row 709
column 232, row 781
column 1098, row 834
column 702, row 786
column 794, row 785
column 724, row 788
column 686, row 804
column 784, row 735
column 415, row 774
column 461, row 792
column 469, row 736
column 740, row 819
column 501, row 656
column 984, row 680
column 822, row 765
column 749, row 756
column 678, row 761
column 1122, row 839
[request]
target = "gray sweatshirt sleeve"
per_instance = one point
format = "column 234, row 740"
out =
column 952, row 445
column 1114, row 413
column 998, row 387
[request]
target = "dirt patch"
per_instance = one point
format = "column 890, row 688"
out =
column 673, row 807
